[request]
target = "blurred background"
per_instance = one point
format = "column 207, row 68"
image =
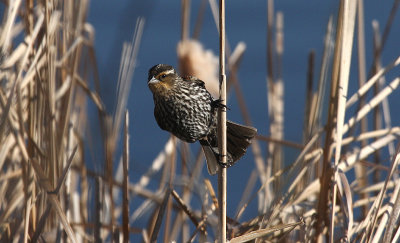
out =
column 305, row 24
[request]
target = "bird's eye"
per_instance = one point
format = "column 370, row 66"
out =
column 163, row 76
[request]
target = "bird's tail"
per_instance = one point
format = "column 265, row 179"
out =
column 238, row 139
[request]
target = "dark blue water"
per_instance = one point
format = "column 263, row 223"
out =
column 304, row 28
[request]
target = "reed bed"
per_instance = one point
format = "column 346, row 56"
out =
column 343, row 185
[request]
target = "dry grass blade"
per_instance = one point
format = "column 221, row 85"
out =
column 323, row 76
column 371, row 226
column 386, row 31
column 383, row 224
column 278, row 104
column 396, row 236
column 160, row 215
column 275, row 90
column 245, row 199
column 326, row 172
column 44, row 182
column 393, row 217
column 185, row 208
column 383, row 110
column 6, row 34
column 377, row 100
column 310, row 98
column 263, row 232
column 348, row 163
column 170, row 172
column 41, row 224
column 309, row 146
column 125, row 192
column 127, row 68
column 363, row 90
column 93, row 95
column 159, row 161
column 199, row 227
column 345, row 192
column 378, row 186
column 372, row 134
column 362, row 72
column 348, row 22
column 280, row 142
column 180, row 224
column 312, row 189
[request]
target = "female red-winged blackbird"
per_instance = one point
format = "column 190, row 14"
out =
column 185, row 108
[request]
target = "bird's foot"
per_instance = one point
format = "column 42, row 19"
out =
column 218, row 104
column 223, row 164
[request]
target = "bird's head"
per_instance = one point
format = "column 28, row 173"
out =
column 161, row 78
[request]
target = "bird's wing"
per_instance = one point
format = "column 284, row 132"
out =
column 194, row 80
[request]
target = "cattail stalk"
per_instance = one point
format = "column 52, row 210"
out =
column 222, row 176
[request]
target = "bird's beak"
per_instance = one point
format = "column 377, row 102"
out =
column 153, row 80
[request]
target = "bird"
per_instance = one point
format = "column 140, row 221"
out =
column 184, row 107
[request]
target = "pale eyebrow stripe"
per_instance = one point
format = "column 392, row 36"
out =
column 165, row 73
column 168, row 72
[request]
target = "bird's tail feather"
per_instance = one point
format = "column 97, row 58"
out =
column 211, row 158
column 238, row 139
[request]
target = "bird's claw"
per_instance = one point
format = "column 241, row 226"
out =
column 223, row 164
column 218, row 104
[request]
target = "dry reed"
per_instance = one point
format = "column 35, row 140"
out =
column 49, row 194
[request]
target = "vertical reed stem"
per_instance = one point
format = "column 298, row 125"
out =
column 125, row 183
column 222, row 175
column 185, row 19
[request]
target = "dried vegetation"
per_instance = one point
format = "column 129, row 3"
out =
column 48, row 76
